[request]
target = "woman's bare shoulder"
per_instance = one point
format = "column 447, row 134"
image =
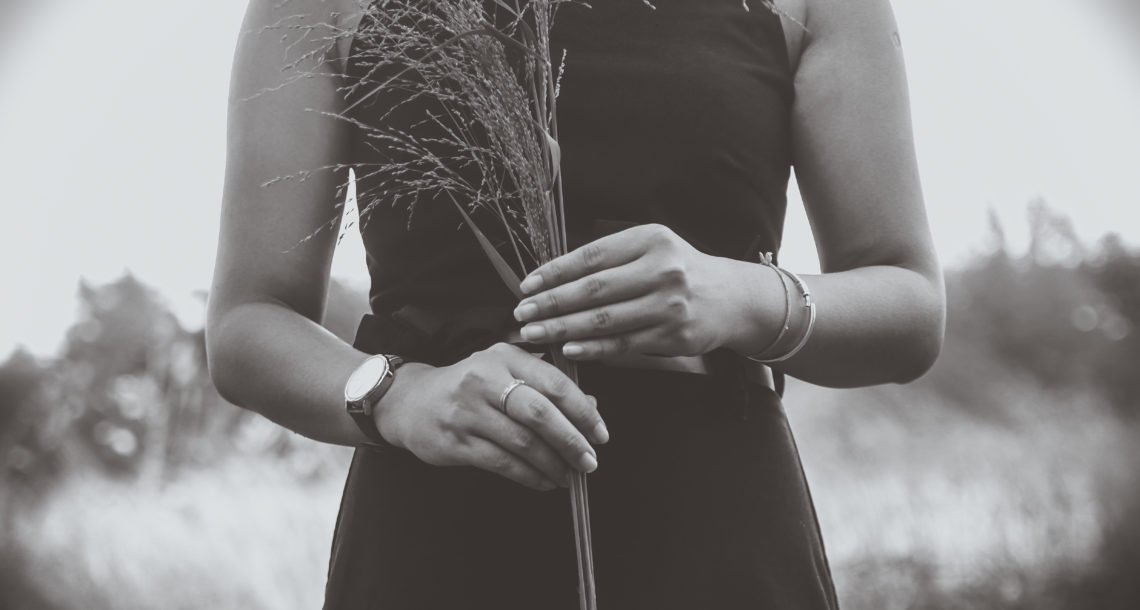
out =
column 844, row 19
column 308, row 25
column 348, row 14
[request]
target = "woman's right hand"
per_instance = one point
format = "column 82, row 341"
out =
column 449, row 416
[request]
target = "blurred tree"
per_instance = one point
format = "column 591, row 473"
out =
column 1061, row 313
column 1116, row 271
column 130, row 394
column 21, row 380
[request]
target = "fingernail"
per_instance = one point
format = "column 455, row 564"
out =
column 601, row 434
column 533, row 332
column 572, row 350
column 531, row 283
column 588, row 462
column 525, row 311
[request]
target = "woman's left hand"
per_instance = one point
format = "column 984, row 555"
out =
column 644, row 290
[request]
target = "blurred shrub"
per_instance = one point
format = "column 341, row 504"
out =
column 130, row 396
column 1062, row 313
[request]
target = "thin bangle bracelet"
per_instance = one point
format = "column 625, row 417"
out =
column 766, row 260
column 786, row 325
column 809, row 303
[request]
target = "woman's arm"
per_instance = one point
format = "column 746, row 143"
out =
column 267, row 350
column 880, row 297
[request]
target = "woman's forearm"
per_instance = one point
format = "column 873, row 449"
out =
column 875, row 324
column 268, row 358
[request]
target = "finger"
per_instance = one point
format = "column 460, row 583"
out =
column 606, row 286
column 581, row 410
column 644, row 341
column 601, row 321
column 530, row 408
column 608, row 251
column 488, row 456
column 505, row 432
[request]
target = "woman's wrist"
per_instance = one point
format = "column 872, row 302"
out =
column 805, row 307
column 756, row 307
column 385, row 414
column 770, row 318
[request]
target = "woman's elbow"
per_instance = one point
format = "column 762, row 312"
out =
column 924, row 343
column 921, row 356
column 222, row 358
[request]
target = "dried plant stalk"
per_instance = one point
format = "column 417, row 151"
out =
column 491, row 125
column 460, row 102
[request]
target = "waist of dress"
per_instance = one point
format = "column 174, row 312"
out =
column 752, row 371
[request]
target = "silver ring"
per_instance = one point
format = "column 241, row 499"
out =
column 507, row 392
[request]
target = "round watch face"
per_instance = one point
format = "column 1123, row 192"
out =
column 365, row 377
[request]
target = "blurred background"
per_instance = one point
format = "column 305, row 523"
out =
column 1006, row 478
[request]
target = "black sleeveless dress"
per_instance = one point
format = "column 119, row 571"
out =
column 679, row 116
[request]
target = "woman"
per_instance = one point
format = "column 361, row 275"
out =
column 679, row 128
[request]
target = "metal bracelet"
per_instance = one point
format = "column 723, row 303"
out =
column 809, row 303
column 766, row 260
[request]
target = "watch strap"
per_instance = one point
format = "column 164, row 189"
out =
column 363, row 417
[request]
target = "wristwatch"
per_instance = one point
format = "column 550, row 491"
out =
column 365, row 387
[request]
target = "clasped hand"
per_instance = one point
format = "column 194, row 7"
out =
column 644, row 290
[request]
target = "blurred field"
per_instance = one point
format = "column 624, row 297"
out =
column 1004, row 479
column 246, row 535
column 925, row 506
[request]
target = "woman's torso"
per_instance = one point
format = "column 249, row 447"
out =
column 678, row 115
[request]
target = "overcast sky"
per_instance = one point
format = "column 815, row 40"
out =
column 112, row 119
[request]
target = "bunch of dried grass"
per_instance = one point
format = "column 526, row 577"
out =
column 461, row 105
column 487, row 137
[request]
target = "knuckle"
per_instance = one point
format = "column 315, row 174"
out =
column 449, row 420
column 499, row 462
column 560, row 387
column 595, row 348
column 454, row 439
column 550, row 301
column 659, row 234
column 524, row 442
column 685, row 336
column 621, row 343
column 554, row 272
column 603, row 318
column 673, row 274
column 575, row 443
column 558, row 329
column 534, row 411
column 677, row 307
column 497, row 352
column 471, row 379
column 591, row 256
column 444, row 452
column 594, row 285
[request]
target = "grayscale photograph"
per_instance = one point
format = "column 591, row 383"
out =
column 570, row 305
